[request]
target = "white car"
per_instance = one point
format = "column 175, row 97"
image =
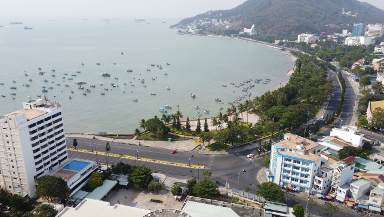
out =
column 250, row 155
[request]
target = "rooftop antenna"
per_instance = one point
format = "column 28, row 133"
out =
column 45, row 98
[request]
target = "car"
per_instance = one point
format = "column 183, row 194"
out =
column 250, row 155
column 173, row 152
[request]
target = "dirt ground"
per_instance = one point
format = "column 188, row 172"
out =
column 141, row 199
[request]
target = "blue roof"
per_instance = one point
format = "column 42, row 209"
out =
column 101, row 191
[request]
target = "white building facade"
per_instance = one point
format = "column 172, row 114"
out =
column 307, row 38
column 349, row 134
column 32, row 144
column 375, row 31
column 322, row 181
column 251, row 31
column 294, row 162
column 342, row 173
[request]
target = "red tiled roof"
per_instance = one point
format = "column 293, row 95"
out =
column 349, row 160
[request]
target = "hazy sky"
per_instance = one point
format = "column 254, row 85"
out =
column 51, row 9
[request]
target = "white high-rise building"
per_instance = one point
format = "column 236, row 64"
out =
column 307, row 38
column 32, row 144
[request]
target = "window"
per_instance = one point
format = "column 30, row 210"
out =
column 10, row 154
column 11, row 160
column 13, row 166
column 9, row 186
column 6, row 135
column 375, row 201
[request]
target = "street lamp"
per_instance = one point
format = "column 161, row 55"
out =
column 198, row 171
column 238, row 138
column 341, row 122
column 97, row 159
column 189, row 164
column 91, row 148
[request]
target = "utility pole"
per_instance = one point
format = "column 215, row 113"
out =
column 137, row 156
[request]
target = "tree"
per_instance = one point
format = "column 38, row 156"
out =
column 346, row 152
column 95, row 180
column 154, row 125
column 205, row 188
column 140, row 177
column 369, row 70
column 271, row 191
column 107, row 149
column 205, row 125
column 75, row 143
column 45, row 210
column 266, row 161
column 176, row 190
column 136, row 133
column 190, row 184
column 52, row 187
column 377, row 87
column 154, row 186
column 365, row 81
column 142, row 124
column 206, row 174
column 330, row 209
column 367, row 146
column 316, row 128
column 121, row 168
column 377, row 119
column 20, row 203
column 298, row 210
column 188, row 125
column 198, row 126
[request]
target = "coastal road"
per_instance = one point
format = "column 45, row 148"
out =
column 222, row 166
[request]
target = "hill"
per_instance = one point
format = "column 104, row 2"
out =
column 290, row 17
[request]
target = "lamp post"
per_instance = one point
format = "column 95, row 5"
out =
column 341, row 122
column 238, row 181
column 198, row 171
column 137, row 156
column 238, row 138
column 306, row 207
column 189, row 164
column 91, row 148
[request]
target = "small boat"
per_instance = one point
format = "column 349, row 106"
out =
column 221, row 109
column 69, row 97
column 27, row 85
column 152, row 64
column 218, row 100
column 80, row 87
column 82, row 64
column 39, row 96
column 116, row 78
column 167, row 107
column 135, row 100
column 87, row 90
column 78, row 72
column 193, row 95
column 52, row 70
column 102, row 93
column 166, row 73
column 13, row 98
column 67, row 85
column 1, row 83
column 41, row 73
column 162, row 110
column 63, row 77
column 25, row 74
column 2, row 96
column 168, row 64
column 73, row 75
column 71, row 91
column 206, row 111
column 197, row 107
column 45, row 80
column 30, row 79
column 92, row 85
column 70, row 78
column 50, row 87
column 39, row 68
column 232, row 83
column 142, row 80
column 53, row 75
column 244, row 90
column 25, row 27
column 81, row 83
column 14, row 81
column 153, row 79
column 129, row 70
column 101, row 84
column 132, row 85
column 224, row 85
column 13, row 88
column 44, row 90
column 84, row 94
column 198, row 113
column 230, row 103
column 58, row 84
column 168, row 88
column 106, row 89
column 148, row 69
column 65, row 74
column 145, row 86
column 98, row 64
column 125, row 83
column 43, row 86
column 153, row 93
column 13, row 94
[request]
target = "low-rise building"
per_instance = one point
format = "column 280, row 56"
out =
column 342, row 173
column 375, row 31
column 322, row 181
column 376, row 197
column 307, row 38
column 367, row 165
column 359, row 40
column 251, row 31
column 359, row 187
column 348, row 134
column 333, row 142
column 295, row 161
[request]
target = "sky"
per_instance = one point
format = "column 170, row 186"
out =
column 114, row 9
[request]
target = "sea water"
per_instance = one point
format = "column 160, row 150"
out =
column 198, row 65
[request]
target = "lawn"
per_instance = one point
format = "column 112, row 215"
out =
column 151, row 137
column 215, row 147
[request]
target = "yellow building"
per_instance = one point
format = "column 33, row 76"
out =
column 371, row 108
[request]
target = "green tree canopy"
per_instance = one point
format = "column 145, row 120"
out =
column 271, row 191
column 154, row 186
column 140, row 177
column 155, row 126
column 206, row 174
column 20, row 203
column 365, row 81
column 190, row 184
column 52, row 187
column 176, row 190
column 121, row 168
column 95, row 180
column 298, row 210
column 330, row 208
column 266, row 161
column 346, row 152
column 377, row 119
column 45, row 210
column 205, row 188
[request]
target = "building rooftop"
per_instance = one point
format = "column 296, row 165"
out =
column 196, row 209
column 378, row 178
column 336, row 141
column 359, row 182
column 378, row 190
column 306, row 156
column 101, row 191
column 368, row 165
column 325, row 169
column 291, row 141
column 97, row 208
column 275, row 207
column 377, row 104
column 29, row 113
column 349, row 160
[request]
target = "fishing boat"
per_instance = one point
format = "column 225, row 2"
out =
column 80, row 87
column 206, row 111
column 198, row 113
column 162, row 110
column 44, row 90
column 224, row 85
column 142, row 81
column 102, row 93
column 92, row 85
column 52, row 70
column 73, row 75
column 193, row 95
column 230, row 103
column 82, row 64
column 218, row 100
column 78, row 72
column 71, row 91
column 125, row 83
column 13, row 98
column 13, row 93
column 81, row 83
column 65, row 74
column 148, row 69
column 129, row 70
column 2, row 96
column 244, row 90
column 30, row 79
column 43, row 86
column 69, row 97
column 106, row 89
column 98, row 64
column 132, row 85
column 67, row 85
column 153, row 93
column 101, row 84
column 41, row 73
column 45, row 80
column 116, row 78
column 167, row 107
column 168, row 88
column 135, row 100
column 50, row 87
column 232, row 83
column 58, row 84
column 39, row 68
column 53, row 75
column 14, row 81
column 27, row 85
column 221, row 109
column 152, row 64
column 13, row 88
column 1, row 83
column 25, row 74
column 87, row 90
column 84, row 94
column 106, row 75
column 196, row 107
column 39, row 96
column 70, row 78
column 145, row 86
column 166, row 73
column 168, row 64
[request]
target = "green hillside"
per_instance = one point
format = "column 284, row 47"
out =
column 291, row 17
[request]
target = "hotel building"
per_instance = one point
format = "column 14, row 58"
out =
column 295, row 161
column 32, row 144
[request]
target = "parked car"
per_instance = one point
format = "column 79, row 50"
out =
column 250, row 155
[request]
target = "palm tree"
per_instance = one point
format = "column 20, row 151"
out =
column 241, row 108
column 142, row 124
column 136, row 133
column 215, row 122
column 183, row 129
column 247, row 107
column 164, row 118
column 107, row 149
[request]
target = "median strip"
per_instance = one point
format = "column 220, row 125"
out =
column 140, row 159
